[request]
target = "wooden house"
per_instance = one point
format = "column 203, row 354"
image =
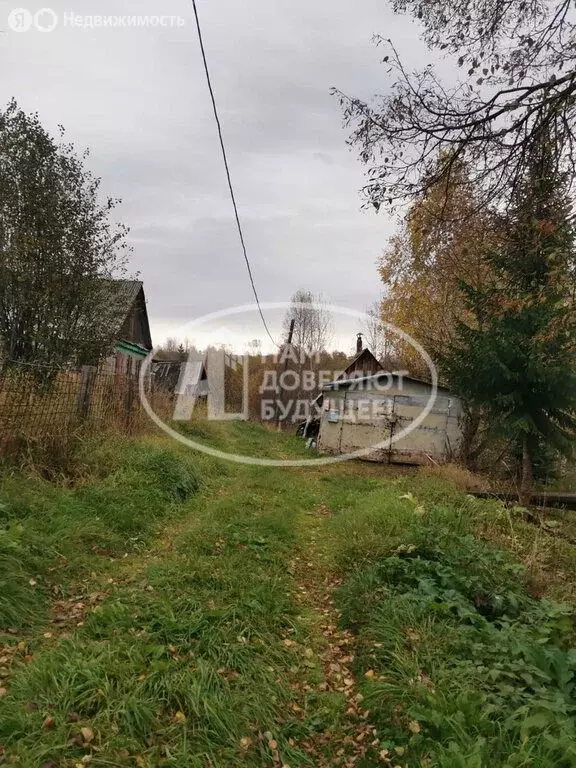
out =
column 133, row 341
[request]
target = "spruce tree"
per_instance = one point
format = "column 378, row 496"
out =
column 517, row 362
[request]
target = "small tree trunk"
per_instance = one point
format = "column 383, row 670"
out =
column 526, row 479
column 469, row 432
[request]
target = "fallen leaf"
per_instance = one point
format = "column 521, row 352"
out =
column 3, row 691
column 414, row 726
column 370, row 674
column 48, row 722
column 87, row 734
column 245, row 742
column 180, row 717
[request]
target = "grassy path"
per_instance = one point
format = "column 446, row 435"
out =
column 347, row 741
column 216, row 645
column 279, row 617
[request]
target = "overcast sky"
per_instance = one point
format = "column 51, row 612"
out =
column 138, row 99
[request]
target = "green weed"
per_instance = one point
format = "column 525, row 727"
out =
column 464, row 667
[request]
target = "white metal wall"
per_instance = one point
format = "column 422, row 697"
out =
column 355, row 419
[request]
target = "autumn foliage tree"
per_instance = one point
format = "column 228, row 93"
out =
column 442, row 242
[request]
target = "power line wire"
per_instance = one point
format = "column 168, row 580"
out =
column 225, row 158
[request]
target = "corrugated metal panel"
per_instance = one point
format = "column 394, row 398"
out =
column 369, row 419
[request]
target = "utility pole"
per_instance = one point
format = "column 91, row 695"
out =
column 281, row 393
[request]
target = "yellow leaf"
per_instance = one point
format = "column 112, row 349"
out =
column 87, row 734
column 180, row 717
column 414, row 726
column 370, row 674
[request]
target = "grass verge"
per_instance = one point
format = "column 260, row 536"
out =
column 52, row 535
column 460, row 665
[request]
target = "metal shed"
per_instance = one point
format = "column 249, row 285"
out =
column 361, row 413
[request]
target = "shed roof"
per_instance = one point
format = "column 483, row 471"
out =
column 345, row 383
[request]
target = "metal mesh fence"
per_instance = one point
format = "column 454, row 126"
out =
column 40, row 402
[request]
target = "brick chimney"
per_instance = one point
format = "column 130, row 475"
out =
column 358, row 343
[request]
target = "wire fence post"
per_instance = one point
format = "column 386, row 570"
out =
column 87, row 381
column 129, row 401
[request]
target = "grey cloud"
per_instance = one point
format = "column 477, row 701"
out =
column 138, row 99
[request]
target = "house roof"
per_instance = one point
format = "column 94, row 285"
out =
column 121, row 295
column 364, row 353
